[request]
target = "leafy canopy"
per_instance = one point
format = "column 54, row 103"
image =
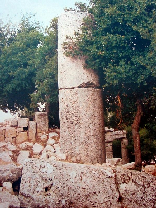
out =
column 18, row 68
column 118, row 40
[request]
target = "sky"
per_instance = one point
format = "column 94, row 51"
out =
column 44, row 11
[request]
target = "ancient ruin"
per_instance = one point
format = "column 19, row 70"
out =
column 65, row 168
column 80, row 100
column 110, row 136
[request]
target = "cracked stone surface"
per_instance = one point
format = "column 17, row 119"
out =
column 63, row 184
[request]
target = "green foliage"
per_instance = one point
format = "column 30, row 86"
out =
column 18, row 69
column 46, row 84
column 28, row 68
column 79, row 7
column 118, row 40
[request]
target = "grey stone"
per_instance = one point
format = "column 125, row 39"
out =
column 63, row 184
column 23, row 156
column 7, row 200
column 37, row 148
column 71, row 71
column 9, row 171
column 82, row 125
column 32, row 131
column 23, row 122
column 41, row 119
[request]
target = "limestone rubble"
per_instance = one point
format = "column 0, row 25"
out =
column 48, row 180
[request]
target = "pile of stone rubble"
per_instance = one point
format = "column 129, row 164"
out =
column 38, row 175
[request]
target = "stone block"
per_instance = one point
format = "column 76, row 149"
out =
column 1, row 134
column 14, row 122
column 22, row 137
column 71, row 71
column 9, row 171
column 7, row 186
column 124, row 150
column 82, row 125
column 20, row 129
column 41, row 119
column 8, row 200
column 37, row 148
column 10, row 134
column 137, row 189
column 53, row 135
column 63, row 184
column 5, row 155
column 44, row 138
column 23, row 155
column 23, row 122
column 151, row 169
column 51, row 141
column 26, row 145
column 32, row 131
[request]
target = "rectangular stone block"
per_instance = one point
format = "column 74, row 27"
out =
column 82, row 125
column 10, row 134
column 63, row 184
column 32, row 131
column 22, row 137
column 1, row 134
column 41, row 119
column 23, row 122
column 19, row 130
column 14, row 122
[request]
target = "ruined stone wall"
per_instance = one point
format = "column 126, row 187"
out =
column 17, row 131
column 80, row 100
column 110, row 136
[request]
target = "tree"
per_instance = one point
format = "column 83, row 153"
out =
column 118, row 40
column 18, row 68
column 46, row 82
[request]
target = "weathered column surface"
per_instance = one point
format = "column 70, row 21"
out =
column 124, row 151
column 41, row 119
column 80, row 100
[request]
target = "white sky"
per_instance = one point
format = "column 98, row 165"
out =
column 44, row 10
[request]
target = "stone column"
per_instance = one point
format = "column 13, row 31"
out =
column 41, row 119
column 80, row 101
column 124, row 152
column 108, row 142
column 32, row 131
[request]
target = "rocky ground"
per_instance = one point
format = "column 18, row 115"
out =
column 37, row 175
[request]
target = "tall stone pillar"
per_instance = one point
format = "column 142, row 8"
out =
column 80, row 101
column 124, row 151
column 41, row 119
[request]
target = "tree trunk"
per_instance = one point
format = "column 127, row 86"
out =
column 47, row 108
column 136, row 136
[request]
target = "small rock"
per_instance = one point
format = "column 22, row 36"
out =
column 26, row 145
column 43, row 138
column 51, row 141
column 151, row 169
column 37, row 148
column 7, row 186
column 52, row 135
column 22, row 156
column 129, row 166
column 7, row 200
